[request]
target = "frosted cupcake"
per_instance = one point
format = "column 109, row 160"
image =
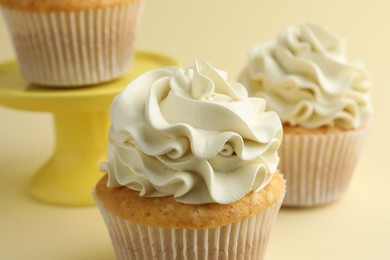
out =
column 192, row 168
column 71, row 42
column 323, row 100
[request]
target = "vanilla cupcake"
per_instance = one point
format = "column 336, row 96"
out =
column 67, row 43
column 192, row 168
column 323, row 100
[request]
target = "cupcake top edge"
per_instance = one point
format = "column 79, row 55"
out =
column 306, row 77
column 191, row 134
column 165, row 212
column 62, row 5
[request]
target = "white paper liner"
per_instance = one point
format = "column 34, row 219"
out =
column 318, row 168
column 245, row 239
column 74, row 48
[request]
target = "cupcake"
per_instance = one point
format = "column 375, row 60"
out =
column 192, row 168
column 68, row 43
column 323, row 100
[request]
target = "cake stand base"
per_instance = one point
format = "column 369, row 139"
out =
column 81, row 125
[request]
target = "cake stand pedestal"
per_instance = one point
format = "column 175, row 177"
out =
column 81, row 126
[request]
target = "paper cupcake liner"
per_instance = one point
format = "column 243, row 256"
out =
column 318, row 167
column 245, row 239
column 74, row 48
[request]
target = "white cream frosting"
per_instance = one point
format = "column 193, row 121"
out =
column 307, row 79
column 191, row 134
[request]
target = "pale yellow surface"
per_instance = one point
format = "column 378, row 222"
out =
column 220, row 31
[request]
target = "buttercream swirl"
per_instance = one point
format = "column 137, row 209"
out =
column 191, row 134
column 306, row 78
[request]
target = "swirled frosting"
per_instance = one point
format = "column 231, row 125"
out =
column 306, row 78
column 191, row 134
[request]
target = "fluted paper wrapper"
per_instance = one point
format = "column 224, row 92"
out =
column 245, row 239
column 318, row 167
column 74, row 48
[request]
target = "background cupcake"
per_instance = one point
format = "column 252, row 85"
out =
column 324, row 103
column 71, row 42
column 192, row 168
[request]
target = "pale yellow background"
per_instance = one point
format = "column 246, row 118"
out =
column 219, row 31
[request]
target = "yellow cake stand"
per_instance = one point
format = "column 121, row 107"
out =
column 81, row 125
